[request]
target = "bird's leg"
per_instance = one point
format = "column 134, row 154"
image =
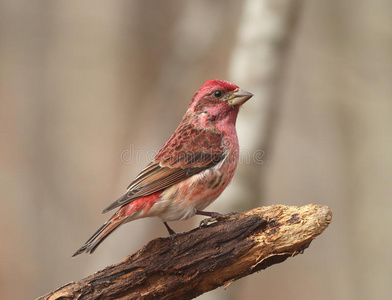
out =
column 171, row 231
column 213, row 217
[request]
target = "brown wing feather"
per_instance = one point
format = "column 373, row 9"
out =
column 188, row 152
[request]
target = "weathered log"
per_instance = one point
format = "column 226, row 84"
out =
column 189, row 264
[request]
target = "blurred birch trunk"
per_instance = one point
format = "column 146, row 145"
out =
column 258, row 63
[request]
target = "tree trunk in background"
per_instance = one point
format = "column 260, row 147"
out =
column 258, row 62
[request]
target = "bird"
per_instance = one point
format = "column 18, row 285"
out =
column 191, row 169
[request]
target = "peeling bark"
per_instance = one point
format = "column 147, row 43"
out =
column 190, row 264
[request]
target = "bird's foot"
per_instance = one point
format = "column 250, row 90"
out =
column 214, row 217
column 206, row 222
column 171, row 231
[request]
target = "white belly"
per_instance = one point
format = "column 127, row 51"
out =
column 182, row 200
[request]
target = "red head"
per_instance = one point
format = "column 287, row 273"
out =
column 217, row 101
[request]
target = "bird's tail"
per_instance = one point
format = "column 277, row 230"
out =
column 102, row 233
column 136, row 209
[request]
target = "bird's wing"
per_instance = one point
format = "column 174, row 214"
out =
column 188, row 152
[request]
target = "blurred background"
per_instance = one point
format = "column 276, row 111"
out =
column 89, row 91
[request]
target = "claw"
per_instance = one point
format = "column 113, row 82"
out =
column 215, row 217
column 206, row 222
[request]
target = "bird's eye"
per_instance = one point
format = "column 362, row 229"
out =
column 218, row 93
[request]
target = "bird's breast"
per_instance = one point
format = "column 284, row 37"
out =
column 181, row 200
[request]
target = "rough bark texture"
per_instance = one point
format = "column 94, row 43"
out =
column 192, row 263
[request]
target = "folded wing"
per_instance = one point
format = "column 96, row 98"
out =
column 188, row 152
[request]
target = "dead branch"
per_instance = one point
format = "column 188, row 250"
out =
column 192, row 263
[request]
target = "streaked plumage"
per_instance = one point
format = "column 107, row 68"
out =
column 193, row 167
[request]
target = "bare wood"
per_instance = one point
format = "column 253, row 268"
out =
column 192, row 263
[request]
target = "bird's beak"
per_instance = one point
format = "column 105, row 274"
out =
column 239, row 97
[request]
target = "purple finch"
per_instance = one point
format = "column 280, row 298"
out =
column 192, row 168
